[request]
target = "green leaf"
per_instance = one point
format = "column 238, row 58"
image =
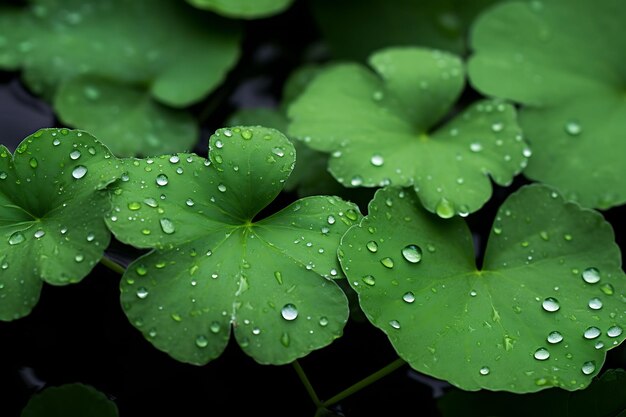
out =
column 605, row 396
column 70, row 400
column 217, row 265
column 347, row 24
column 176, row 67
column 542, row 311
column 553, row 58
column 381, row 129
column 52, row 204
column 243, row 9
column 142, row 126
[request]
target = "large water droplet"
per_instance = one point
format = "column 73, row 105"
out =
column 221, row 188
column 369, row 280
column 372, row 246
column 592, row 332
column 33, row 163
column 412, row 253
column 444, row 209
column 555, row 337
column 591, row 275
column 408, row 297
column 550, row 304
column 79, row 172
column 289, row 312
column 162, row 180
column 331, row 219
column 246, row 134
column 595, row 304
column 323, row 321
column 167, row 225
column 541, row 354
column 142, row 292
column 387, row 262
column 377, row 160
column 16, row 238
column 588, row 367
column 614, row 331
column 75, row 154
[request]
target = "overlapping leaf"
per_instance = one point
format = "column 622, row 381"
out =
column 381, row 128
column 564, row 62
column 243, row 9
column 70, row 400
column 125, row 46
column 52, row 205
column 216, row 267
column 542, row 311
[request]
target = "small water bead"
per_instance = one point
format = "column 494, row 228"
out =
column 614, row 331
column 189, row 202
column 33, row 163
column 372, row 246
column 387, row 262
column 16, row 238
column 289, row 312
column 280, row 152
column 215, row 327
column 369, row 280
column 167, row 226
column 550, row 304
column 412, row 253
column 134, row 205
column 408, row 297
column 331, row 219
column 588, row 367
column 221, row 188
column 162, row 180
column 473, row 293
column 598, row 345
column 541, row 354
column 573, row 128
column 151, row 202
column 39, row 233
column 356, row 181
column 246, row 134
column 377, row 160
column 555, row 337
column 174, row 159
column 395, row 324
column 607, row 289
column 90, row 237
column 79, row 172
column 592, row 332
column 484, row 370
column 595, row 304
column 75, row 154
column 497, row 127
column 256, row 331
column 56, row 142
column 202, row 341
column 228, row 133
column 476, row 147
column 591, row 275
column 142, row 292
column 323, row 321
column 444, row 209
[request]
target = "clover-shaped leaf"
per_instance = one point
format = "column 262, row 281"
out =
column 52, row 205
column 243, row 9
column 563, row 61
column 70, row 400
column 55, row 41
column 542, row 311
column 216, row 265
column 379, row 128
column 429, row 23
column 605, row 396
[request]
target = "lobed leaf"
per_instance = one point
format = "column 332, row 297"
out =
column 542, row 311
column 216, row 268
column 52, row 204
column 70, row 400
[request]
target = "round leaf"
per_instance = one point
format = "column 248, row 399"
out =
column 543, row 310
column 217, row 266
column 553, row 58
column 378, row 128
column 243, row 9
column 70, row 400
column 52, row 203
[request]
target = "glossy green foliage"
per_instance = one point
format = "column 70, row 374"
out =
column 605, row 397
column 382, row 128
column 217, row 268
column 243, row 9
column 52, row 204
column 355, row 28
column 565, row 62
column 542, row 311
column 134, row 67
column 70, row 400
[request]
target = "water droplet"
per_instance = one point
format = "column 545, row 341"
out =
column 377, row 160
column 134, row 205
column 289, row 312
column 369, row 280
column 595, row 304
column 162, row 180
column 280, row 152
column 395, row 324
column 387, row 262
column 228, row 133
column 555, row 337
column 588, row 367
column 592, row 332
column 573, row 128
column 541, row 354
column 246, row 134
column 497, row 127
column 476, row 147
column 90, row 237
column 607, row 289
column 167, row 226
column 444, row 209
column 591, row 275
column 614, row 331
column 75, row 154
column 356, row 181
column 39, row 233
column 412, row 253
column 142, row 292
column 331, row 219
column 79, row 172
column 544, row 235
column 323, row 321
column 598, row 345
column 221, row 188
column 284, row 339
column 279, row 277
column 484, row 370
column 372, row 246
column 190, row 202
column 408, row 297
column 550, row 304
column 202, row 341
column 79, row 258
column 33, row 163
column 16, row 238
column 473, row 293
column 215, row 327
column 141, row 270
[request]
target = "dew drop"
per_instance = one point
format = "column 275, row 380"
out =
column 289, row 312
column 134, row 205
column 444, row 209
column 39, row 233
column 395, row 324
column 33, row 163
column 588, row 367
column 228, row 133
column 167, row 225
column 408, row 297
column 377, row 160
column 607, row 289
column 592, row 332
column 284, row 339
column 387, row 262
column 189, row 202
column 280, row 152
column 141, row 270
column 591, row 275
column 484, row 370
column 372, row 246
column 473, row 293
column 541, row 354
column 412, row 253
column 323, row 321
column 202, row 341
column 162, row 180
column 16, row 238
column 614, row 331
column 79, row 172
column 215, row 327
column 369, row 280
column 476, row 147
column 356, row 181
column 331, row 219
column 142, row 292
column 595, row 304
column 573, row 128
column 221, row 188
column 279, row 277
column 246, row 134
column 497, row 127
column 555, row 337
column 550, row 304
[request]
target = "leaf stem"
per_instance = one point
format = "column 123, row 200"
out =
column 307, row 384
column 370, row 379
column 112, row 265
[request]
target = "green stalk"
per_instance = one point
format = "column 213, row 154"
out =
column 112, row 265
column 307, row 384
